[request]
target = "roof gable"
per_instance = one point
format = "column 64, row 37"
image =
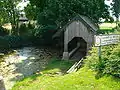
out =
column 87, row 21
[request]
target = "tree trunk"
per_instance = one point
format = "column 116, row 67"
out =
column 117, row 20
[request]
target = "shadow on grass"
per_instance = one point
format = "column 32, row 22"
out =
column 62, row 65
column 113, row 77
column 33, row 62
column 53, row 67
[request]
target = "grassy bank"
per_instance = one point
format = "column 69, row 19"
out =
column 52, row 78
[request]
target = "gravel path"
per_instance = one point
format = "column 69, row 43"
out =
column 23, row 63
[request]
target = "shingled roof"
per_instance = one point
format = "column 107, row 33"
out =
column 87, row 21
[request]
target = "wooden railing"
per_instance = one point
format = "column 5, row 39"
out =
column 73, row 51
column 75, row 67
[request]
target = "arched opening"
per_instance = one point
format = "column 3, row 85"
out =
column 72, row 44
column 77, row 48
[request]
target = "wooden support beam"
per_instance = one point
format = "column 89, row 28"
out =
column 74, row 50
column 75, row 67
column 66, row 53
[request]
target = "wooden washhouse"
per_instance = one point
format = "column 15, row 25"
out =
column 78, row 36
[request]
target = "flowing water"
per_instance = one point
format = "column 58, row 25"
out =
column 24, row 62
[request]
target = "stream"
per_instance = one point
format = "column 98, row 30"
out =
column 24, row 62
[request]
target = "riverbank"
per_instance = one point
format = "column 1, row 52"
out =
column 52, row 79
column 24, row 62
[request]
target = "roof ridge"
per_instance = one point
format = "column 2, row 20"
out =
column 83, row 19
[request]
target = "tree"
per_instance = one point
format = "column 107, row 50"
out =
column 62, row 10
column 9, row 12
column 116, row 9
column 53, row 14
column 31, row 12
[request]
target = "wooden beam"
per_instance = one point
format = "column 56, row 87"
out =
column 66, row 53
column 74, row 50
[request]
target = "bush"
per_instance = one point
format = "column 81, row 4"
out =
column 113, row 67
column 31, row 26
column 4, row 45
column 109, row 63
column 3, row 31
column 14, row 41
column 113, row 63
column 23, row 29
column 43, row 36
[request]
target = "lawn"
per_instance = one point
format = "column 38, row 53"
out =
column 54, row 78
column 107, row 25
column 106, row 28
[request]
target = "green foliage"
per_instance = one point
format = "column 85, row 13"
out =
column 116, row 8
column 116, row 11
column 14, row 41
column 118, row 27
column 43, row 35
column 53, row 14
column 23, row 29
column 9, row 13
column 3, row 31
column 4, row 45
column 31, row 12
column 113, row 67
column 113, row 63
column 110, row 62
column 9, row 42
column 31, row 26
column 62, row 10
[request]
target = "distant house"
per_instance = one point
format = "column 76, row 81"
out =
column 23, row 20
column 78, row 36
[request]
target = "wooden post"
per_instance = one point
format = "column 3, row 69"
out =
column 88, row 48
column 2, row 86
column 65, row 53
column 99, row 53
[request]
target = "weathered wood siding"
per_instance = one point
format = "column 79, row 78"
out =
column 78, row 29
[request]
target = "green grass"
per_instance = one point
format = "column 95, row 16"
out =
column 106, row 29
column 49, row 79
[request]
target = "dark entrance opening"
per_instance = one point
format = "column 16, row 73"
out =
column 77, row 48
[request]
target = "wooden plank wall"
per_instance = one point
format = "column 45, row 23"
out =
column 78, row 29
